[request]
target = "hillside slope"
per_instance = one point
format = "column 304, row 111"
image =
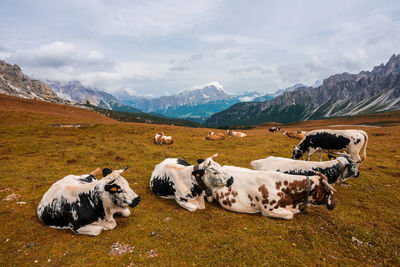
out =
column 339, row 95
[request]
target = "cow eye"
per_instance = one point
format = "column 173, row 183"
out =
column 215, row 173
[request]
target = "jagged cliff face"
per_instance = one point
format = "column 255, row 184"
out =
column 339, row 95
column 14, row 82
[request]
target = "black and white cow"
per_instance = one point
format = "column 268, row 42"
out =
column 87, row 205
column 176, row 179
column 340, row 168
column 350, row 141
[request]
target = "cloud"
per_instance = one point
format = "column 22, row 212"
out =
column 146, row 19
column 250, row 71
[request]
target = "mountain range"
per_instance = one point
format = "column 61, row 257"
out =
column 339, row 95
column 74, row 91
column 197, row 103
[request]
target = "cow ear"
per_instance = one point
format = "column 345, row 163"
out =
column 199, row 161
column 198, row 173
column 106, row 171
column 112, row 188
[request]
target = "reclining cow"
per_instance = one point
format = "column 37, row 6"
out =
column 273, row 194
column 215, row 136
column 340, row 168
column 160, row 139
column 274, row 129
column 235, row 134
column 87, row 205
column 295, row 135
column 176, row 179
column 349, row 141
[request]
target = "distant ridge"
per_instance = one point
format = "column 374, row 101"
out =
column 340, row 95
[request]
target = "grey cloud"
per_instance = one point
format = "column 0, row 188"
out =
column 250, row 70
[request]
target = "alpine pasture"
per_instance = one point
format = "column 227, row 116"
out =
column 35, row 152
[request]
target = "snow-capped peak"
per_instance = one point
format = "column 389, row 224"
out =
column 214, row 83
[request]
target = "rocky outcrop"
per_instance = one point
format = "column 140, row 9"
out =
column 340, row 95
column 14, row 82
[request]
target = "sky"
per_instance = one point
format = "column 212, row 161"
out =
column 161, row 47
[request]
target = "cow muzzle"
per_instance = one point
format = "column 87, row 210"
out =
column 331, row 206
column 134, row 202
column 356, row 175
column 229, row 182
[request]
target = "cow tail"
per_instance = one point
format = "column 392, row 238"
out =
column 364, row 157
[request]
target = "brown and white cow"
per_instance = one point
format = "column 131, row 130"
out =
column 215, row 136
column 162, row 139
column 235, row 134
column 294, row 134
column 273, row 194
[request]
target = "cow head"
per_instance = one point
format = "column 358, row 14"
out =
column 323, row 194
column 297, row 153
column 118, row 189
column 212, row 174
column 350, row 167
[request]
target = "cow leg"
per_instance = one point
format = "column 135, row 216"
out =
column 186, row 205
column 201, row 204
column 125, row 213
column 278, row 213
column 90, row 229
column 310, row 154
column 109, row 224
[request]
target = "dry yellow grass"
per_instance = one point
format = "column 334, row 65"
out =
column 33, row 156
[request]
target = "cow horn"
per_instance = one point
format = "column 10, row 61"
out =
column 215, row 155
column 124, row 169
column 96, row 171
column 325, row 182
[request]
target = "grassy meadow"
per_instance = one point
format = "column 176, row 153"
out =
column 34, row 155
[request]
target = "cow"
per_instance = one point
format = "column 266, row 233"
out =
column 215, row 136
column 340, row 168
column 177, row 179
column 161, row 139
column 298, row 131
column 235, row 134
column 294, row 134
column 87, row 205
column 349, row 141
column 274, row 129
column 274, row 194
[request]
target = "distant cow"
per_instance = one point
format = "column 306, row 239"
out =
column 350, row 141
column 87, row 205
column 176, row 179
column 274, row 129
column 294, row 134
column 215, row 136
column 273, row 194
column 298, row 131
column 235, row 134
column 340, row 168
column 161, row 139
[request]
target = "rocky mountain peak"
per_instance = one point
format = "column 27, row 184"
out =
column 14, row 82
